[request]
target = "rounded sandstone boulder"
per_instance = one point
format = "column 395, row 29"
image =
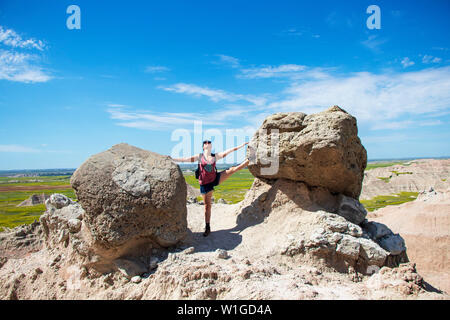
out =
column 321, row 149
column 131, row 197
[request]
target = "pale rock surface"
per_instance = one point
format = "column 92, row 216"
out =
column 414, row 176
column 321, row 149
column 424, row 225
column 133, row 199
column 256, row 270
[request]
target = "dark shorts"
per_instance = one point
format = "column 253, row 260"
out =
column 205, row 188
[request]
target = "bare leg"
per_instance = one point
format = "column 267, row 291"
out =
column 227, row 173
column 207, row 200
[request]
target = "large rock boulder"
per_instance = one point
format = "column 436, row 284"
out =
column 131, row 197
column 312, row 196
column 318, row 225
column 321, row 149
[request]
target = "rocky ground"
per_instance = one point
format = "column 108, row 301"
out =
column 416, row 176
column 425, row 226
column 238, row 260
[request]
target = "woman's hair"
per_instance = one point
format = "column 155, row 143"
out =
column 206, row 141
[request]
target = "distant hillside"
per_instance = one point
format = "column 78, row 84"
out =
column 36, row 172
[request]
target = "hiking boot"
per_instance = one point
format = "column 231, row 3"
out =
column 207, row 231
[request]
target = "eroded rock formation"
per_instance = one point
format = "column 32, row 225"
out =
column 321, row 149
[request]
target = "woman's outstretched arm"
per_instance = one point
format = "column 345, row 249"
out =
column 223, row 154
column 187, row 159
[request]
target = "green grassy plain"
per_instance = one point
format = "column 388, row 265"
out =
column 388, row 200
column 373, row 165
column 30, row 181
column 232, row 190
column 11, row 215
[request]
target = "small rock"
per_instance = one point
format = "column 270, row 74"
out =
column 74, row 225
column 55, row 261
column 372, row 252
column 372, row 269
column 335, row 237
column 108, row 279
column 349, row 247
column 136, row 279
column 246, row 274
column 377, row 230
column 189, row 250
column 354, row 230
column 221, row 254
column 130, row 268
column 3, row 260
column 351, row 209
column 336, row 225
column 394, row 244
column 59, row 201
column 63, row 235
column 353, row 275
column 318, row 237
column 294, row 247
column 172, row 256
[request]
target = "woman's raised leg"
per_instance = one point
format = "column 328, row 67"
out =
column 227, row 173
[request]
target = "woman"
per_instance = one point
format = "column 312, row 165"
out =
column 208, row 177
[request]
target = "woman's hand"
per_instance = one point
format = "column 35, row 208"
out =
column 243, row 144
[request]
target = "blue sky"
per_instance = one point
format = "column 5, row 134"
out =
column 142, row 71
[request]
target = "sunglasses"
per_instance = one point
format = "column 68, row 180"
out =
column 207, row 142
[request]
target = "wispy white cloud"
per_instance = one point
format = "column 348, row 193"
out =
column 377, row 100
column 393, row 125
column 406, row 62
column 430, row 59
column 153, row 120
column 214, row 95
column 380, row 101
column 440, row 48
column 292, row 32
column 383, row 138
column 229, row 60
column 289, row 71
column 430, row 123
column 116, row 105
column 17, row 148
column 285, row 70
column 374, row 42
column 190, row 89
column 295, row 32
column 156, row 69
column 21, row 67
column 10, row 38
